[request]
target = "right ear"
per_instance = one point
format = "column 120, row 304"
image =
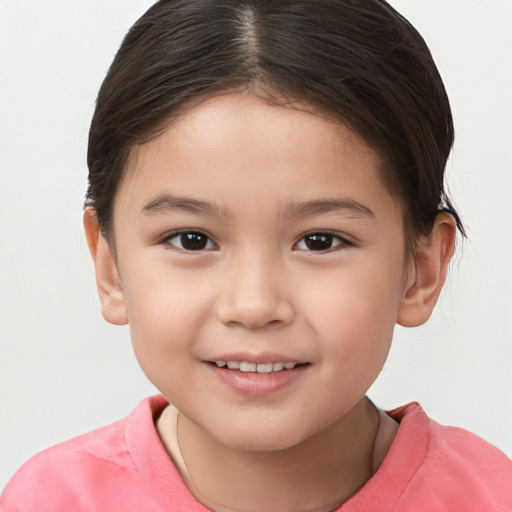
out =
column 110, row 291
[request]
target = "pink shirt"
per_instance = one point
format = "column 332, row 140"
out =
column 124, row 467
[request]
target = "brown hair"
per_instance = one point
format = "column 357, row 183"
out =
column 356, row 60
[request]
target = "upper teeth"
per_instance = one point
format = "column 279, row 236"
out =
column 244, row 366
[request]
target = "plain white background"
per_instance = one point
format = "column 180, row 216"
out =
column 64, row 371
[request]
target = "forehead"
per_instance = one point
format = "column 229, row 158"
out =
column 243, row 144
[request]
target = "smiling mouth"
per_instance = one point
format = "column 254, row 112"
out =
column 247, row 367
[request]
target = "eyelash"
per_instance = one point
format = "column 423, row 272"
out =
column 314, row 237
column 179, row 236
column 341, row 242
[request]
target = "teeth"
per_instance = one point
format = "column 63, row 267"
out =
column 264, row 367
column 246, row 367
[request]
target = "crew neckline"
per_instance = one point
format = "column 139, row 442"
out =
column 164, row 484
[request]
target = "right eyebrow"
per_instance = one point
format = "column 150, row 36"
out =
column 165, row 203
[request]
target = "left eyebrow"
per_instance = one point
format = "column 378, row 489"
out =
column 327, row 206
column 167, row 203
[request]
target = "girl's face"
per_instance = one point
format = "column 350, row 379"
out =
column 259, row 236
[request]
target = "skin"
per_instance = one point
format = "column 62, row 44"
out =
column 257, row 290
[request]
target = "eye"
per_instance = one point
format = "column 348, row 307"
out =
column 320, row 242
column 190, row 241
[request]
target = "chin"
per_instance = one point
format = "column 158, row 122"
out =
column 260, row 438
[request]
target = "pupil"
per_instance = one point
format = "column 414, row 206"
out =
column 319, row 242
column 193, row 241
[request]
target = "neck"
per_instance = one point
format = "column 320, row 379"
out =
column 316, row 475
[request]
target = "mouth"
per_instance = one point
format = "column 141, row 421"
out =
column 257, row 376
column 248, row 367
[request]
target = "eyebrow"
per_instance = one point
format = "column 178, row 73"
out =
column 322, row 206
column 164, row 203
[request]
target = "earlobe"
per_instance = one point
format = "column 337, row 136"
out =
column 113, row 307
column 427, row 273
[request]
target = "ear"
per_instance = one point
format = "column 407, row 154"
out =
column 110, row 291
column 427, row 272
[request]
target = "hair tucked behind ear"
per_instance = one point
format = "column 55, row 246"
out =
column 358, row 61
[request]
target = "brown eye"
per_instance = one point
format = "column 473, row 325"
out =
column 320, row 242
column 191, row 241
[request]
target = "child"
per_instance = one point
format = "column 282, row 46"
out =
column 265, row 203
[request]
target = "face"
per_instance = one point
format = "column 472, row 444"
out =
column 261, row 263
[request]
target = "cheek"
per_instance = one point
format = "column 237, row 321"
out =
column 166, row 312
column 354, row 312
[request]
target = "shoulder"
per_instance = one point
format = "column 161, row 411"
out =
column 59, row 475
column 88, row 468
column 455, row 466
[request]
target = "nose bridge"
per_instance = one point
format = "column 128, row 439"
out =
column 254, row 289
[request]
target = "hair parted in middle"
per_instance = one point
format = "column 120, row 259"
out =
column 355, row 61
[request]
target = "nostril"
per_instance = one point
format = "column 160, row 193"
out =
column 254, row 305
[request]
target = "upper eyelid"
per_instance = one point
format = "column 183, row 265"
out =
column 172, row 234
column 345, row 239
column 342, row 236
column 344, row 242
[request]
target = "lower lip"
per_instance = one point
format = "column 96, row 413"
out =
column 257, row 384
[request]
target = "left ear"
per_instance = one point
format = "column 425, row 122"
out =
column 427, row 272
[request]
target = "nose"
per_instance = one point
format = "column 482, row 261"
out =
column 254, row 293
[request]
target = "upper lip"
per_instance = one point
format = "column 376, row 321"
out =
column 262, row 358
